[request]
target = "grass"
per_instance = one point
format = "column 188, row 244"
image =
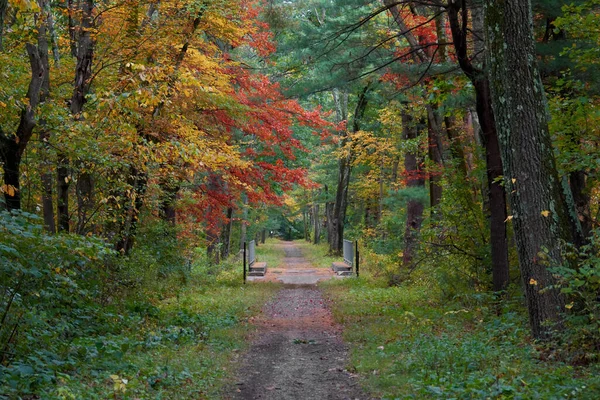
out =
column 406, row 344
column 182, row 347
column 318, row 255
column 271, row 252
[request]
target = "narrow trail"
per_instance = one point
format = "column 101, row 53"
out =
column 297, row 352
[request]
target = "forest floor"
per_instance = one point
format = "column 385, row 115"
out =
column 297, row 351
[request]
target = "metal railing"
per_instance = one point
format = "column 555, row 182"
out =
column 251, row 253
column 349, row 252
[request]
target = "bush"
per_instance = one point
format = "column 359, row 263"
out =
column 581, row 286
column 46, row 283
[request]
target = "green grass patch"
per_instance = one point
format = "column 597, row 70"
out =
column 405, row 344
column 317, row 255
column 271, row 252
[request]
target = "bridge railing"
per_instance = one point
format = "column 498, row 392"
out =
column 351, row 254
column 348, row 248
column 251, row 253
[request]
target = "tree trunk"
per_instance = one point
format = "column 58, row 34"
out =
column 84, row 190
column 306, row 224
column 317, row 225
column 456, row 145
column 226, row 235
column 345, row 167
column 12, row 147
column 127, row 230
column 244, row 224
column 3, row 9
column 485, row 114
column 83, row 76
column 414, row 207
column 47, row 198
column 167, row 203
column 62, row 207
column 497, row 196
column 435, row 156
column 581, row 197
column 540, row 212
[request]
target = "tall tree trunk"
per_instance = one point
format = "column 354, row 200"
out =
column 456, row 145
column 62, row 207
column 244, row 224
column 170, row 192
column 419, row 55
column 226, row 235
column 581, row 197
column 317, row 223
column 497, row 196
column 345, row 167
column 414, row 207
column 540, row 211
column 3, row 9
column 46, row 176
column 127, row 229
column 305, row 220
column 435, row 156
column 72, row 9
column 47, row 193
column 458, row 19
column 83, row 76
column 84, row 189
column 12, row 147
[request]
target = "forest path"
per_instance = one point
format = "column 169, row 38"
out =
column 297, row 352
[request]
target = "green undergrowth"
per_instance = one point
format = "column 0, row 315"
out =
column 147, row 326
column 178, row 348
column 318, row 255
column 407, row 344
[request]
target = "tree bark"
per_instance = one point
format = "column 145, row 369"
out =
column 12, row 147
column 458, row 19
column 581, row 197
column 127, row 229
column 540, row 212
column 244, row 223
column 226, row 235
column 3, row 9
column 345, row 168
column 167, row 203
column 83, row 75
column 414, row 207
column 317, row 225
column 435, row 156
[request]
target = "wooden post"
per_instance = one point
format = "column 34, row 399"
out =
column 244, row 256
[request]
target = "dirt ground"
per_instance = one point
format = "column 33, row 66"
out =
column 297, row 352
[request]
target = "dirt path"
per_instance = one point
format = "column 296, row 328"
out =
column 297, row 352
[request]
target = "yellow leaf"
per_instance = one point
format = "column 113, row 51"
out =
column 2, row 104
column 569, row 306
column 545, row 213
column 513, row 180
column 8, row 189
column 508, row 218
column 533, row 282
